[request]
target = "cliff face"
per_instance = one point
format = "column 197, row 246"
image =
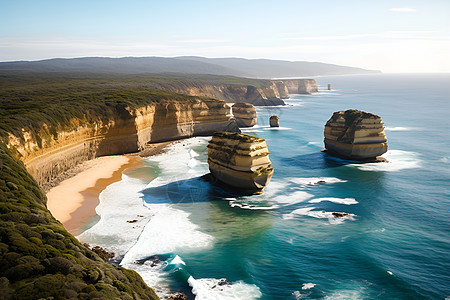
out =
column 265, row 96
column 127, row 131
column 245, row 114
column 240, row 161
column 355, row 134
column 269, row 95
column 300, row 86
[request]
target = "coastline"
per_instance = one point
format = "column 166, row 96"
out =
column 73, row 198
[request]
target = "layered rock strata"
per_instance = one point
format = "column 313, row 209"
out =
column 300, row 86
column 355, row 134
column 269, row 95
column 274, row 121
column 240, row 161
column 245, row 114
column 127, row 131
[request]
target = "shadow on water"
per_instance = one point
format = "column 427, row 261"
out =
column 192, row 190
column 317, row 160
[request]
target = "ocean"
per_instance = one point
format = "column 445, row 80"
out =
column 181, row 234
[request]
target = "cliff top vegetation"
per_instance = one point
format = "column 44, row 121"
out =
column 28, row 100
column 40, row 259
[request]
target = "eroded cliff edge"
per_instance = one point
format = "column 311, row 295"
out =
column 50, row 149
column 261, row 93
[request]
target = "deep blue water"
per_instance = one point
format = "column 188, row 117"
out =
column 395, row 244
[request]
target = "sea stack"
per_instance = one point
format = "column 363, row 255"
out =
column 355, row 134
column 245, row 114
column 274, row 121
column 241, row 161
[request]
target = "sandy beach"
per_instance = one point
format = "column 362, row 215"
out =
column 73, row 200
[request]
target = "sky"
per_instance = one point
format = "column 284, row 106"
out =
column 393, row 36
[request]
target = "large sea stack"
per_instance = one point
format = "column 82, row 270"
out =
column 355, row 134
column 240, row 161
column 245, row 114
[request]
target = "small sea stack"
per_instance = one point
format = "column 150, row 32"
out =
column 245, row 114
column 354, row 134
column 329, row 87
column 240, row 161
column 274, row 121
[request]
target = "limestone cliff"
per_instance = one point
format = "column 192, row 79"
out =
column 258, row 96
column 355, row 134
column 270, row 93
column 240, row 161
column 127, row 130
column 300, row 86
column 245, row 114
column 266, row 93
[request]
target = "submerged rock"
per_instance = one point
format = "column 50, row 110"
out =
column 240, row 161
column 245, row 114
column 356, row 135
column 178, row 296
column 339, row 214
column 274, row 121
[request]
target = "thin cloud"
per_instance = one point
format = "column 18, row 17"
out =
column 406, row 34
column 203, row 41
column 403, row 9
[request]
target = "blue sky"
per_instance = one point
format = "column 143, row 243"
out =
column 392, row 36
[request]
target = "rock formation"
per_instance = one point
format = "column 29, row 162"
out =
column 355, row 134
column 274, row 121
column 270, row 93
column 245, row 114
column 300, row 86
column 240, row 161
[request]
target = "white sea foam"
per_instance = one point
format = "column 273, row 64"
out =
column 398, row 128
column 445, row 159
column 320, row 214
column 154, row 276
column 345, row 295
column 346, row 201
column 119, row 202
column 328, row 92
column 278, row 128
column 252, row 207
column 290, row 103
column 177, row 260
column 397, row 160
column 292, row 198
column 275, row 187
column 315, row 180
column 308, row 286
column 168, row 230
column 220, row 289
column 247, row 130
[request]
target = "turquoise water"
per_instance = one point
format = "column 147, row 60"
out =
column 285, row 244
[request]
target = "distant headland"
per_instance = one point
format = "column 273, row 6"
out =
column 250, row 68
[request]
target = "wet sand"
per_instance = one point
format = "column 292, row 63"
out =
column 73, row 200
